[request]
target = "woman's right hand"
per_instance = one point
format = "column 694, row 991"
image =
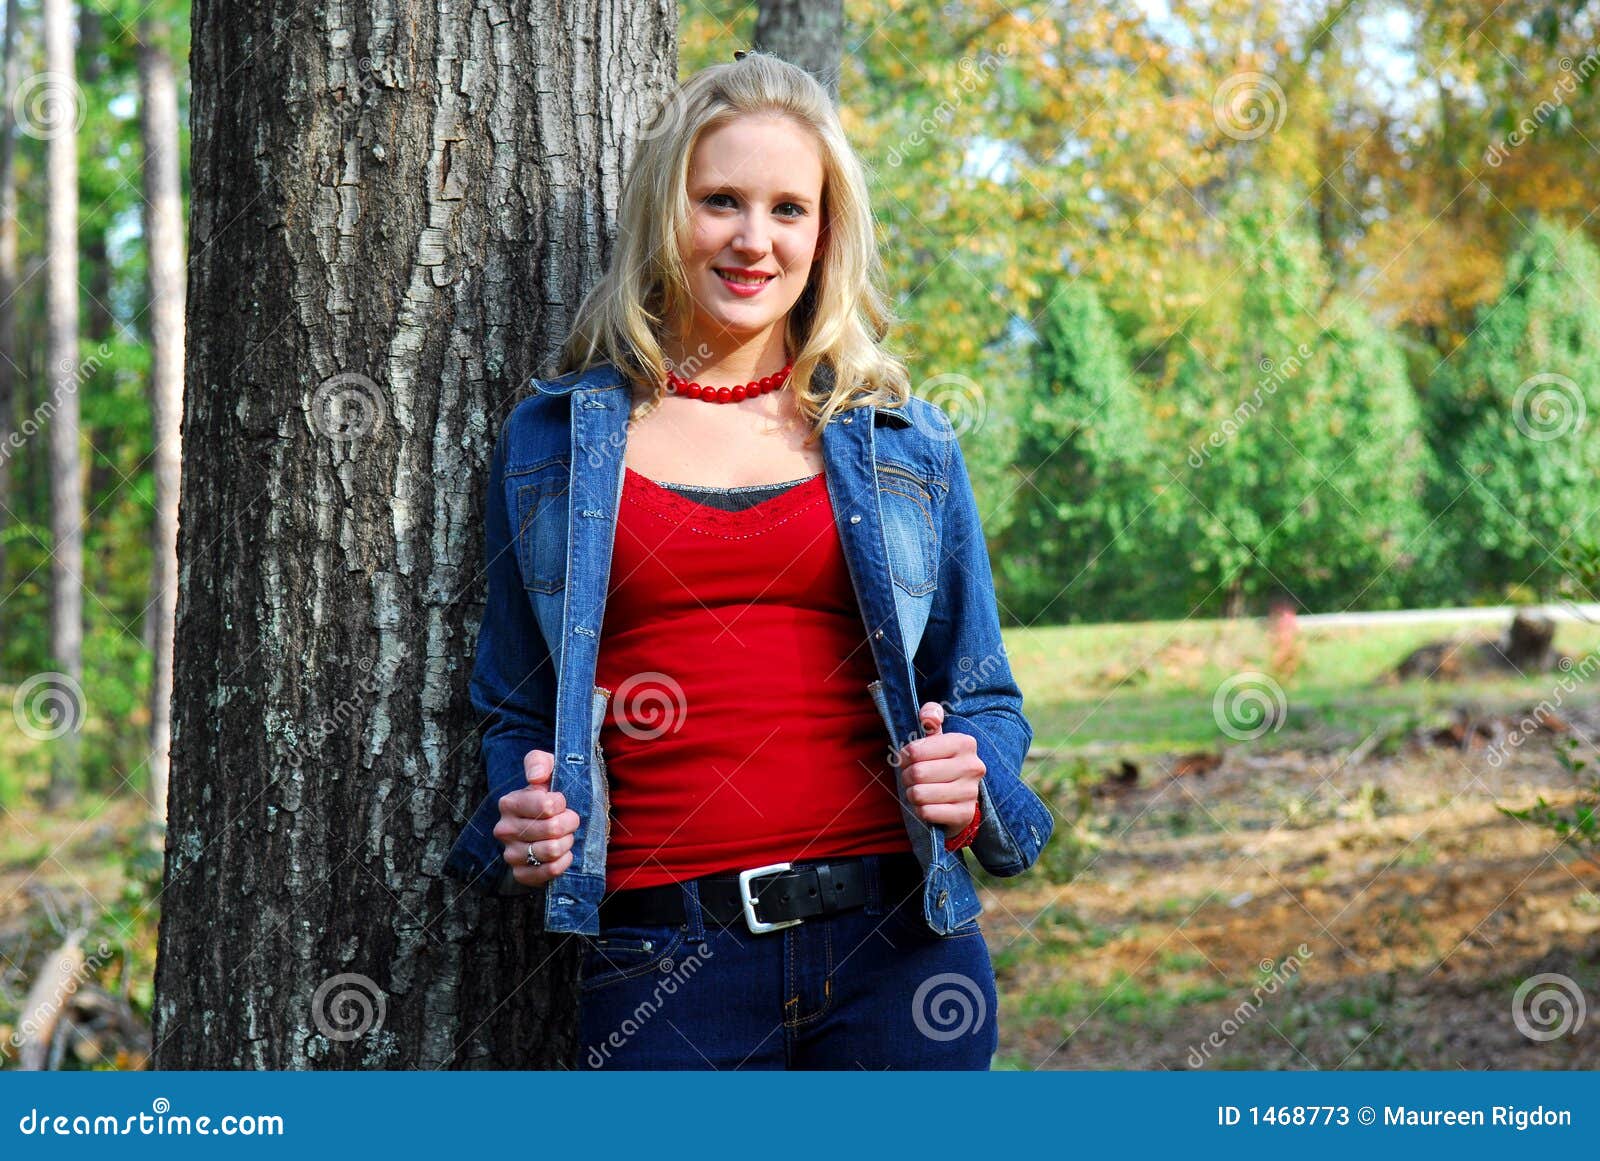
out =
column 536, row 815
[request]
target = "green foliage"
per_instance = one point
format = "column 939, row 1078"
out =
column 1511, row 417
column 1303, row 450
column 1578, row 823
column 1081, row 532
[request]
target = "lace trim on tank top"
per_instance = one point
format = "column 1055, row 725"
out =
column 725, row 509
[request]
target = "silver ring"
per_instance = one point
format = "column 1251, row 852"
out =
column 533, row 859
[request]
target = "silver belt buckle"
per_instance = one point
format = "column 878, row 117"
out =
column 748, row 899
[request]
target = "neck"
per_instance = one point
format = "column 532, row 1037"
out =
column 726, row 361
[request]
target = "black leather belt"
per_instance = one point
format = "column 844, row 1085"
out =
column 768, row 898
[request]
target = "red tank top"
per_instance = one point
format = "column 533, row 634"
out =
column 740, row 730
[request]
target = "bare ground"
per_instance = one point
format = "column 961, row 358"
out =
column 1288, row 911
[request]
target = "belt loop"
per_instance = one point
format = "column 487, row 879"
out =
column 825, row 892
column 874, row 876
column 693, row 920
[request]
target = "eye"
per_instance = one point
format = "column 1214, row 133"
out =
column 799, row 211
column 710, row 199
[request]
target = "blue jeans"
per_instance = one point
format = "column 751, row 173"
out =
column 871, row 987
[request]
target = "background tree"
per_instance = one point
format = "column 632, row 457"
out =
column 394, row 214
column 63, row 376
column 1302, row 458
column 10, row 356
column 163, row 229
column 804, row 32
column 1078, row 543
column 1511, row 418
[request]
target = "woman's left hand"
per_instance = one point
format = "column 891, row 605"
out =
column 940, row 772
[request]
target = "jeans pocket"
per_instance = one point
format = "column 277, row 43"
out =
column 625, row 952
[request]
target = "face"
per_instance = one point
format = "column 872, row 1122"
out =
column 755, row 199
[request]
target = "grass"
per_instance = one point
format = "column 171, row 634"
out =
column 1147, row 688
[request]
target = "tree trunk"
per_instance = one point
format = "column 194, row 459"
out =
column 395, row 208
column 163, row 230
column 94, row 258
column 10, row 356
column 62, row 373
column 808, row 33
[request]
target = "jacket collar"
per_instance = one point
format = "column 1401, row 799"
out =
column 606, row 377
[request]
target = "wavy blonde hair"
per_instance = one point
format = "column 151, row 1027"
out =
column 837, row 326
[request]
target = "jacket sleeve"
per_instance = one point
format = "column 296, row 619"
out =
column 512, row 689
column 961, row 662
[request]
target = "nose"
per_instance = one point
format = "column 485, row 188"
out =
column 752, row 238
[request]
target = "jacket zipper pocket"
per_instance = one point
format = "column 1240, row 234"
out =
column 896, row 470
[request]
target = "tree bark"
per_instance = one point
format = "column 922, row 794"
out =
column 163, row 229
column 808, row 33
column 395, row 207
column 62, row 372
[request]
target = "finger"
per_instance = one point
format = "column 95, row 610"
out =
column 538, row 765
column 939, row 765
column 933, row 793
column 533, row 876
column 532, row 803
column 953, row 817
column 546, row 851
column 529, row 830
column 931, row 715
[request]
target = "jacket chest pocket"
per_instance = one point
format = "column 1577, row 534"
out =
column 542, row 532
column 909, row 530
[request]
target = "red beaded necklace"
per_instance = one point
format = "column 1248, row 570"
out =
column 766, row 383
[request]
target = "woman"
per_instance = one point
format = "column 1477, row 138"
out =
column 760, row 882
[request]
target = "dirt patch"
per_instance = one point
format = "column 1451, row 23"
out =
column 1295, row 911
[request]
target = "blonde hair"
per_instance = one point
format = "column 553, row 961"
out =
column 835, row 329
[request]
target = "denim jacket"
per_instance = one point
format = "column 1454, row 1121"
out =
column 914, row 545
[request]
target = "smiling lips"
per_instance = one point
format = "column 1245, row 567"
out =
column 743, row 282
